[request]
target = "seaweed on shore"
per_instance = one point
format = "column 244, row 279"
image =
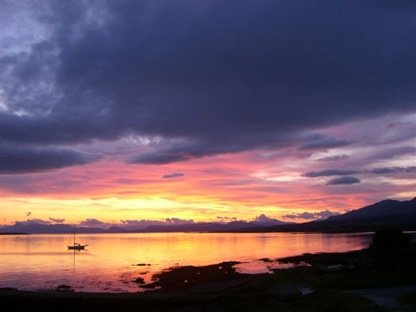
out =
column 187, row 276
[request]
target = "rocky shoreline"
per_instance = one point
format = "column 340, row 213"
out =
column 322, row 282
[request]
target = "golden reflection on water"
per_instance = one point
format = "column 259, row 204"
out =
column 112, row 261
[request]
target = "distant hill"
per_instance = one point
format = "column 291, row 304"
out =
column 386, row 211
column 211, row 226
column 368, row 218
column 37, row 227
column 42, row 228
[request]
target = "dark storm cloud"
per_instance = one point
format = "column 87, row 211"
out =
column 231, row 76
column 400, row 124
column 159, row 158
column 323, row 142
column 173, row 175
column 187, row 149
column 389, row 153
column 343, row 180
column 393, row 170
column 22, row 159
column 329, row 172
column 334, row 158
column 341, row 172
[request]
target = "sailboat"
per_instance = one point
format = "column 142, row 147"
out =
column 76, row 246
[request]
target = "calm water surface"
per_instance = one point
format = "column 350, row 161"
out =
column 112, row 261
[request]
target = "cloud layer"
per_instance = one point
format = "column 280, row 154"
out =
column 26, row 159
column 217, row 76
column 343, row 180
column 155, row 109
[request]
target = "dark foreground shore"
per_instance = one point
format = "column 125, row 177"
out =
column 322, row 282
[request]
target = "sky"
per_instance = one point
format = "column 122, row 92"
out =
column 119, row 111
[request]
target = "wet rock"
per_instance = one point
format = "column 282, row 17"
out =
column 304, row 291
column 63, row 287
column 176, row 278
column 8, row 289
column 139, row 280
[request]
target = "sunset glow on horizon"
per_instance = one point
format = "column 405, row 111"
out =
column 115, row 112
column 234, row 185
